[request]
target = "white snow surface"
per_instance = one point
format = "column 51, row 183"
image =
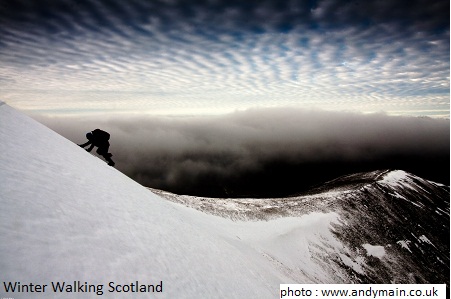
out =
column 394, row 177
column 374, row 250
column 67, row 216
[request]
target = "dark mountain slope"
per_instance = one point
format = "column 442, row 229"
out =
column 409, row 217
column 393, row 226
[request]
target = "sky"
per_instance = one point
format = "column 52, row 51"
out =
column 237, row 98
column 169, row 57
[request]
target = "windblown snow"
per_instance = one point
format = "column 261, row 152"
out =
column 66, row 216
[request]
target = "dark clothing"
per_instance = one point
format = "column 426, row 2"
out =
column 100, row 139
column 97, row 140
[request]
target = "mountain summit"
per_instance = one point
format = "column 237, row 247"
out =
column 69, row 221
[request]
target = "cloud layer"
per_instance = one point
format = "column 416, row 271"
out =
column 178, row 57
column 266, row 152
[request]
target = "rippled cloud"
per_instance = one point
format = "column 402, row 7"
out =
column 210, row 57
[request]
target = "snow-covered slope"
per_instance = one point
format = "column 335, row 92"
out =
column 67, row 216
column 385, row 227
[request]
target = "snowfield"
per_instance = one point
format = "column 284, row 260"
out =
column 68, row 217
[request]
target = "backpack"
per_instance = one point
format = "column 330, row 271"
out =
column 102, row 135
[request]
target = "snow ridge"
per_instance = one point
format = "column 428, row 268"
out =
column 412, row 211
column 68, row 216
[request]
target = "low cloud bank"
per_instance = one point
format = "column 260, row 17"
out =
column 265, row 152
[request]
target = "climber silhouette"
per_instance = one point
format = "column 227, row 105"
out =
column 100, row 139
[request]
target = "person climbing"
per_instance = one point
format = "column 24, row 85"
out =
column 100, row 139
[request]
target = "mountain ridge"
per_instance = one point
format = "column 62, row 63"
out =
column 67, row 216
column 330, row 189
column 413, row 212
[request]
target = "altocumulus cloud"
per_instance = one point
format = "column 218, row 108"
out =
column 266, row 152
column 163, row 56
